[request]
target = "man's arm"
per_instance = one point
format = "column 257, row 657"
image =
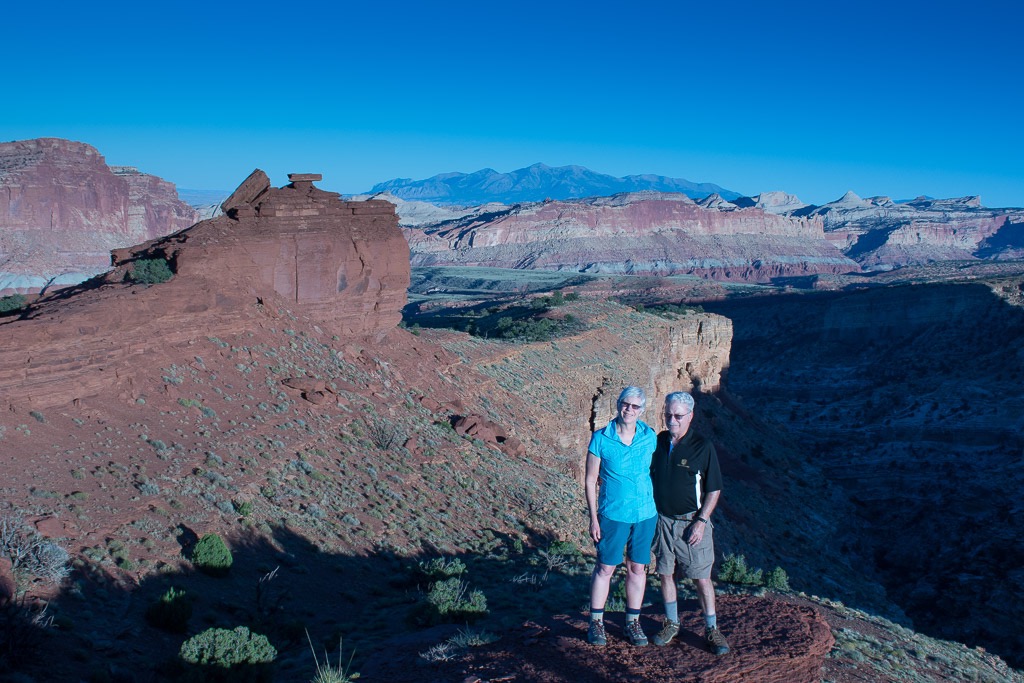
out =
column 590, row 486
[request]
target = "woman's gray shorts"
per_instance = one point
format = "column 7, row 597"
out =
column 671, row 547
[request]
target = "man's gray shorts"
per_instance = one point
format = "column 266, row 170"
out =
column 671, row 548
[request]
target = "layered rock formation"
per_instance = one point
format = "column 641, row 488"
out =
column 881, row 234
column 639, row 234
column 297, row 248
column 62, row 210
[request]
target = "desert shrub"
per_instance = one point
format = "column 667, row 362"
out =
column 23, row 625
column 171, row 612
column 31, row 555
column 229, row 655
column 384, row 435
column 449, row 601
column 735, row 570
column 150, row 271
column 563, row 548
column 325, row 673
column 12, row 303
column 470, row 637
column 442, row 568
column 777, row 580
column 212, row 555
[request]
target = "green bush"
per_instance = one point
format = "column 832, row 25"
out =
column 442, row 568
column 212, row 555
column 171, row 612
column 735, row 570
column 220, row 654
column 450, row 601
column 533, row 329
column 777, row 580
column 563, row 548
column 150, row 271
column 14, row 302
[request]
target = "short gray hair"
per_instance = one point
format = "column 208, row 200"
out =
column 633, row 392
column 680, row 397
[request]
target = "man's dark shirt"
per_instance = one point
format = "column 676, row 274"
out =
column 682, row 477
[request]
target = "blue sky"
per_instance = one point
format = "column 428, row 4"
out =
column 894, row 98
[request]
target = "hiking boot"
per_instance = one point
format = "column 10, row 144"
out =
column 635, row 633
column 669, row 631
column 596, row 634
column 716, row 641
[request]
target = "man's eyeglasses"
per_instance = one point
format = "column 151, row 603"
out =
column 678, row 417
column 632, row 406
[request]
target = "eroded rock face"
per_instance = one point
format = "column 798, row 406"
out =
column 277, row 252
column 637, row 234
column 881, row 234
column 62, row 210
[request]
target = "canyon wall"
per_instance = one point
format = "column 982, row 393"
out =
column 637, row 234
column 62, row 210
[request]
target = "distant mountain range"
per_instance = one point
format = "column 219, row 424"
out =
column 537, row 183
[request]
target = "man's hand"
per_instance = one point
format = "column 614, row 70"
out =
column 595, row 530
column 696, row 534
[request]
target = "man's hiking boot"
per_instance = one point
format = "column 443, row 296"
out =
column 596, row 634
column 669, row 631
column 716, row 641
column 635, row 633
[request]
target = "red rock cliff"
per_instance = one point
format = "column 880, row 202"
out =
column 62, row 210
column 295, row 250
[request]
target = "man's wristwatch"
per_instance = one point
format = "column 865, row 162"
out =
column 701, row 519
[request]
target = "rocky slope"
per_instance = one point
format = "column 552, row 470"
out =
column 62, row 210
column 655, row 234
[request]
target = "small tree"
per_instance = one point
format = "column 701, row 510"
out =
column 212, row 555
column 777, row 580
column 735, row 570
column 150, row 271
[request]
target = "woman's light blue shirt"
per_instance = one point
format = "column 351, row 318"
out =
column 626, row 494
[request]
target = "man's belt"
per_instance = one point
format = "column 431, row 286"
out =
column 685, row 518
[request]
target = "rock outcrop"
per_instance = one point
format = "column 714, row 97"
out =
column 295, row 250
column 636, row 234
column 773, row 642
column 62, row 210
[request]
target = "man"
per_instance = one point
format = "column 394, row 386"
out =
column 687, row 485
column 624, row 516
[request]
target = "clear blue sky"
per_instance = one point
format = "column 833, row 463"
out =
column 813, row 98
